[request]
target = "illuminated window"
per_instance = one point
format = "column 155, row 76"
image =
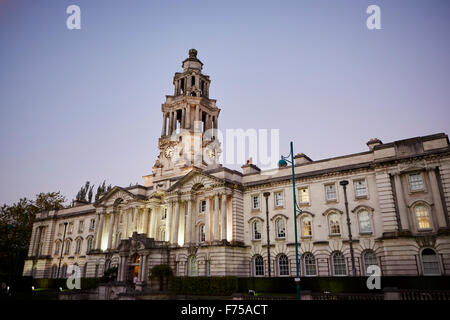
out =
column 258, row 265
column 280, row 228
column 339, row 266
column 306, row 223
column 430, row 262
column 309, row 263
column 193, row 266
column 423, row 217
column 360, row 188
column 416, row 182
column 279, row 201
column 365, row 226
column 330, row 192
column 202, row 233
column 256, row 230
column 70, row 230
column 303, row 195
column 335, row 227
column 255, row 202
column 283, row 265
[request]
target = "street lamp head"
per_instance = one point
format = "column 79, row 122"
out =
column 343, row 183
column 65, row 223
column 266, row 194
column 282, row 163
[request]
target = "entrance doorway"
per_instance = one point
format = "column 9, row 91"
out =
column 133, row 269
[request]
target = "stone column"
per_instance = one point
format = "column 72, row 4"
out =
column 188, row 117
column 440, row 214
column 116, row 230
column 176, row 223
column 135, row 216
column 197, row 113
column 224, row 216
column 163, row 132
column 110, row 231
column 146, row 214
column 402, row 209
column 183, row 119
column 207, row 221
column 127, row 222
column 216, row 217
column 188, row 231
column 100, row 231
column 169, row 222
column 153, row 211
column 170, row 123
column 97, row 223
column 174, row 125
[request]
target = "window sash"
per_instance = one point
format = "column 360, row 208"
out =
column 360, row 188
column 256, row 231
column 280, row 228
column 283, row 265
column 255, row 202
column 259, row 266
column 423, row 217
column 339, row 265
column 279, row 199
column 310, row 265
column 415, row 182
column 365, row 225
column 304, row 195
column 306, row 227
column 330, row 192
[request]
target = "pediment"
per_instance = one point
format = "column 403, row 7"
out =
column 115, row 196
column 195, row 180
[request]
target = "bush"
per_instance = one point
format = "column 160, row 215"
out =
column 109, row 275
column 210, row 286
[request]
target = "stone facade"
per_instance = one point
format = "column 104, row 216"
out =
column 204, row 219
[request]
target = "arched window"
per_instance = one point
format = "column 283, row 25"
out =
column 365, row 225
column 67, row 246
column 57, row 247
column 258, row 262
column 63, row 273
column 339, row 265
column 193, row 266
column 333, row 220
column 280, row 228
column 256, row 230
column 306, row 226
column 369, row 259
column 430, row 262
column 422, row 217
column 309, row 263
column 201, row 233
column 54, row 271
column 90, row 244
column 283, row 265
column 78, row 246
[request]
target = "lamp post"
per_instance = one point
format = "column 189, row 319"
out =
column 283, row 163
column 344, row 184
column 266, row 195
column 62, row 248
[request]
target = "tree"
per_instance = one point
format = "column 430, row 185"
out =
column 161, row 272
column 102, row 189
column 85, row 193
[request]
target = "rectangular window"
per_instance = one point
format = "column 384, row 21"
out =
column 360, row 188
column 164, row 214
column 202, row 206
column 92, row 225
column 255, row 202
column 60, row 229
column 279, row 201
column 303, row 194
column 81, row 226
column 415, row 181
column 330, row 192
column 70, row 227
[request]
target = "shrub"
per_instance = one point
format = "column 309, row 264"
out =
column 210, row 286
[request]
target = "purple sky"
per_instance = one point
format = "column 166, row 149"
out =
column 79, row 105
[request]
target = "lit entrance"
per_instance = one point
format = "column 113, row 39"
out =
column 133, row 269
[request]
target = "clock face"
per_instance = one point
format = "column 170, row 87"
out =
column 211, row 153
column 168, row 152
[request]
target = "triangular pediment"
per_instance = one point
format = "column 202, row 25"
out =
column 195, row 179
column 116, row 195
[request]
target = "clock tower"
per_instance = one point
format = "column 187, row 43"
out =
column 190, row 122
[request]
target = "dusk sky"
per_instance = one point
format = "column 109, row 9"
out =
column 79, row 105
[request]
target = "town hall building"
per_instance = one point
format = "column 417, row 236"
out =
column 203, row 219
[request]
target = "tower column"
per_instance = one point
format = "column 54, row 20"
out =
column 183, row 118
column 187, row 124
column 153, row 220
column 224, row 216
column 135, row 216
column 403, row 211
column 100, row 231
column 116, row 238
column 170, row 124
column 174, row 124
column 163, row 132
column 145, row 224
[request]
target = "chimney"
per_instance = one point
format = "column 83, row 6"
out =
column 301, row 158
column 372, row 143
column 249, row 168
column 77, row 203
